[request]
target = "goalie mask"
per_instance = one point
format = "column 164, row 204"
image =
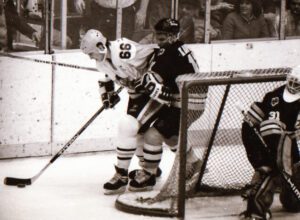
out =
column 292, row 90
column 93, row 44
column 166, row 31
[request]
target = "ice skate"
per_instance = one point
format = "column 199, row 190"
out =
column 118, row 183
column 133, row 173
column 143, row 181
column 259, row 195
column 251, row 216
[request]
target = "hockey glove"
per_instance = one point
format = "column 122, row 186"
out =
column 114, row 98
column 151, row 84
column 108, row 96
column 105, row 100
column 110, row 99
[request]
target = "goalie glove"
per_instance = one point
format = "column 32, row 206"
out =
column 108, row 96
column 151, row 84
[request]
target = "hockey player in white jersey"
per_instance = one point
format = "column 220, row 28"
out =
column 123, row 61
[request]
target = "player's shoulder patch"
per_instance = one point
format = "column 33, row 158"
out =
column 274, row 101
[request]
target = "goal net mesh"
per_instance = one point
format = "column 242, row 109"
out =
column 214, row 135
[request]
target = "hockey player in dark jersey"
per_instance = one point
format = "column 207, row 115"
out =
column 270, row 133
column 171, row 60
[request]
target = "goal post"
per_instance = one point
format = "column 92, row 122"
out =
column 214, row 135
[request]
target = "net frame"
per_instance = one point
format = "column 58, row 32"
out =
column 186, row 86
column 177, row 201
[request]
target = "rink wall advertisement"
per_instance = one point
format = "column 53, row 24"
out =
column 42, row 106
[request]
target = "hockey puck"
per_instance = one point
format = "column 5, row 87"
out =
column 21, row 185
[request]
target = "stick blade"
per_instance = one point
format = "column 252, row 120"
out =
column 11, row 181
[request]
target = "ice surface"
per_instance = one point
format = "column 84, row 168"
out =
column 71, row 188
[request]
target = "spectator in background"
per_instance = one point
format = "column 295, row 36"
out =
column 187, row 15
column 245, row 22
column 271, row 10
column 10, row 22
column 3, row 29
column 219, row 9
column 141, row 14
column 34, row 12
column 157, row 9
column 103, row 15
column 292, row 17
column 33, row 9
column 188, row 11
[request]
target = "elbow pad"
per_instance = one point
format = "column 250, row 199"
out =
column 255, row 114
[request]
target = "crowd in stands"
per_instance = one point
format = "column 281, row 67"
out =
column 229, row 19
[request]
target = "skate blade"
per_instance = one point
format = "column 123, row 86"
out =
column 115, row 192
column 143, row 189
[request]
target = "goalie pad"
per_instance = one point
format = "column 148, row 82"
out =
column 284, row 154
column 257, row 153
column 291, row 175
column 151, row 83
column 287, row 197
column 260, row 196
column 272, row 132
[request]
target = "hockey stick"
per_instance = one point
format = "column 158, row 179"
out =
column 48, row 62
column 285, row 175
column 11, row 181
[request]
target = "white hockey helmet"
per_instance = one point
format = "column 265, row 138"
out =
column 292, row 89
column 94, row 41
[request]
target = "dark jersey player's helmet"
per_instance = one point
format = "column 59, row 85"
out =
column 166, row 31
column 167, row 25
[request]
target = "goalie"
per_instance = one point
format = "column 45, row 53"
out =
column 270, row 132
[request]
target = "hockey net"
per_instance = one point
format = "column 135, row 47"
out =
column 215, row 137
